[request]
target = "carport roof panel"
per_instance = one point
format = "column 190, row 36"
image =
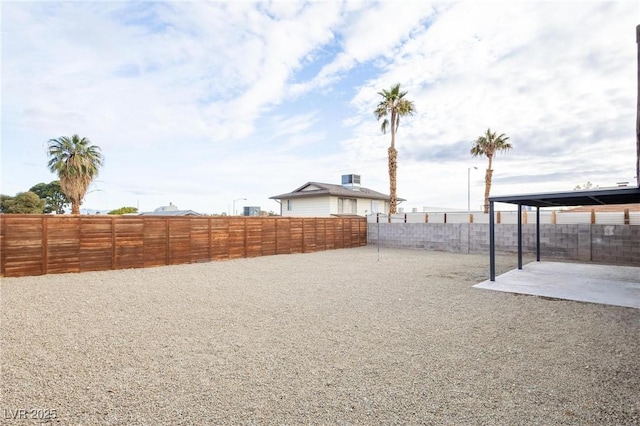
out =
column 622, row 195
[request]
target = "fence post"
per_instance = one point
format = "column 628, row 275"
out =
column 498, row 217
column 343, row 233
column 593, row 216
column 627, row 219
column 209, row 239
column 325, row 222
column 553, row 217
column 45, row 244
column 245, row 235
column 113, row 243
column 276, row 228
column 426, row 218
column 167, row 259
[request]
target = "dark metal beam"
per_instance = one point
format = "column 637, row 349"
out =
column 519, row 236
column 621, row 195
column 538, row 234
column 492, row 244
column 598, row 201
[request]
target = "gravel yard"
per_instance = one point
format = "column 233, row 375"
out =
column 334, row 337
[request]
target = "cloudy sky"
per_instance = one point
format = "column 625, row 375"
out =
column 201, row 103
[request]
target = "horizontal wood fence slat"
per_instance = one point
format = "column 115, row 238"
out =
column 49, row 244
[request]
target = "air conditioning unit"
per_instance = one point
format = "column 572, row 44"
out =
column 251, row 211
column 351, row 181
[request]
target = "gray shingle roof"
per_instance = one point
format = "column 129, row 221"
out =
column 171, row 213
column 335, row 190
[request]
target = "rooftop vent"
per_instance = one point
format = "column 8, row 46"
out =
column 169, row 208
column 351, row 181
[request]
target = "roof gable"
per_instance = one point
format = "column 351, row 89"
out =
column 315, row 189
column 309, row 187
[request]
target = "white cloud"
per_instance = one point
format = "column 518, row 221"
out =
column 368, row 34
column 554, row 82
column 149, row 70
column 199, row 103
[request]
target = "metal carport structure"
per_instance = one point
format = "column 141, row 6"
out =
column 621, row 195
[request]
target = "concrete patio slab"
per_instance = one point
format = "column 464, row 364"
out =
column 605, row 284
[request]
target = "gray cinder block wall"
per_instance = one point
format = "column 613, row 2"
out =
column 616, row 244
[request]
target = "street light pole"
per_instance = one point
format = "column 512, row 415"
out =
column 233, row 213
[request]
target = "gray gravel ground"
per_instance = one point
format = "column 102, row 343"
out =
column 335, row 337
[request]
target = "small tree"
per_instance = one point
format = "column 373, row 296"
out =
column 124, row 210
column 488, row 145
column 51, row 193
column 23, row 203
column 4, row 199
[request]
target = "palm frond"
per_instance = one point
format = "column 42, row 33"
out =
column 490, row 143
column 384, row 125
column 393, row 104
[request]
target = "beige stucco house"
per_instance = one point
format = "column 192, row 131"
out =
column 317, row 199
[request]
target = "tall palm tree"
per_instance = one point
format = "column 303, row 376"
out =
column 488, row 145
column 393, row 106
column 76, row 162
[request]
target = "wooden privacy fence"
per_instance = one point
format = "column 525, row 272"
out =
column 46, row 244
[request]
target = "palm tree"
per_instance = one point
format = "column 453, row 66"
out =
column 76, row 163
column 487, row 145
column 394, row 106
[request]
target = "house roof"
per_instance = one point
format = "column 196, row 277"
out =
column 622, row 195
column 171, row 213
column 315, row 189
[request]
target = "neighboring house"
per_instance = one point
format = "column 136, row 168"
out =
column 170, row 210
column 316, row 199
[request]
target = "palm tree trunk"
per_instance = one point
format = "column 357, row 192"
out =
column 487, row 184
column 393, row 164
column 75, row 208
column 487, row 189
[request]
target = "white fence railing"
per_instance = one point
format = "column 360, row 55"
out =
column 511, row 217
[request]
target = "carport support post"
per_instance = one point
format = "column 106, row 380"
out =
column 492, row 244
column 519, row 236
column 538, row 234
